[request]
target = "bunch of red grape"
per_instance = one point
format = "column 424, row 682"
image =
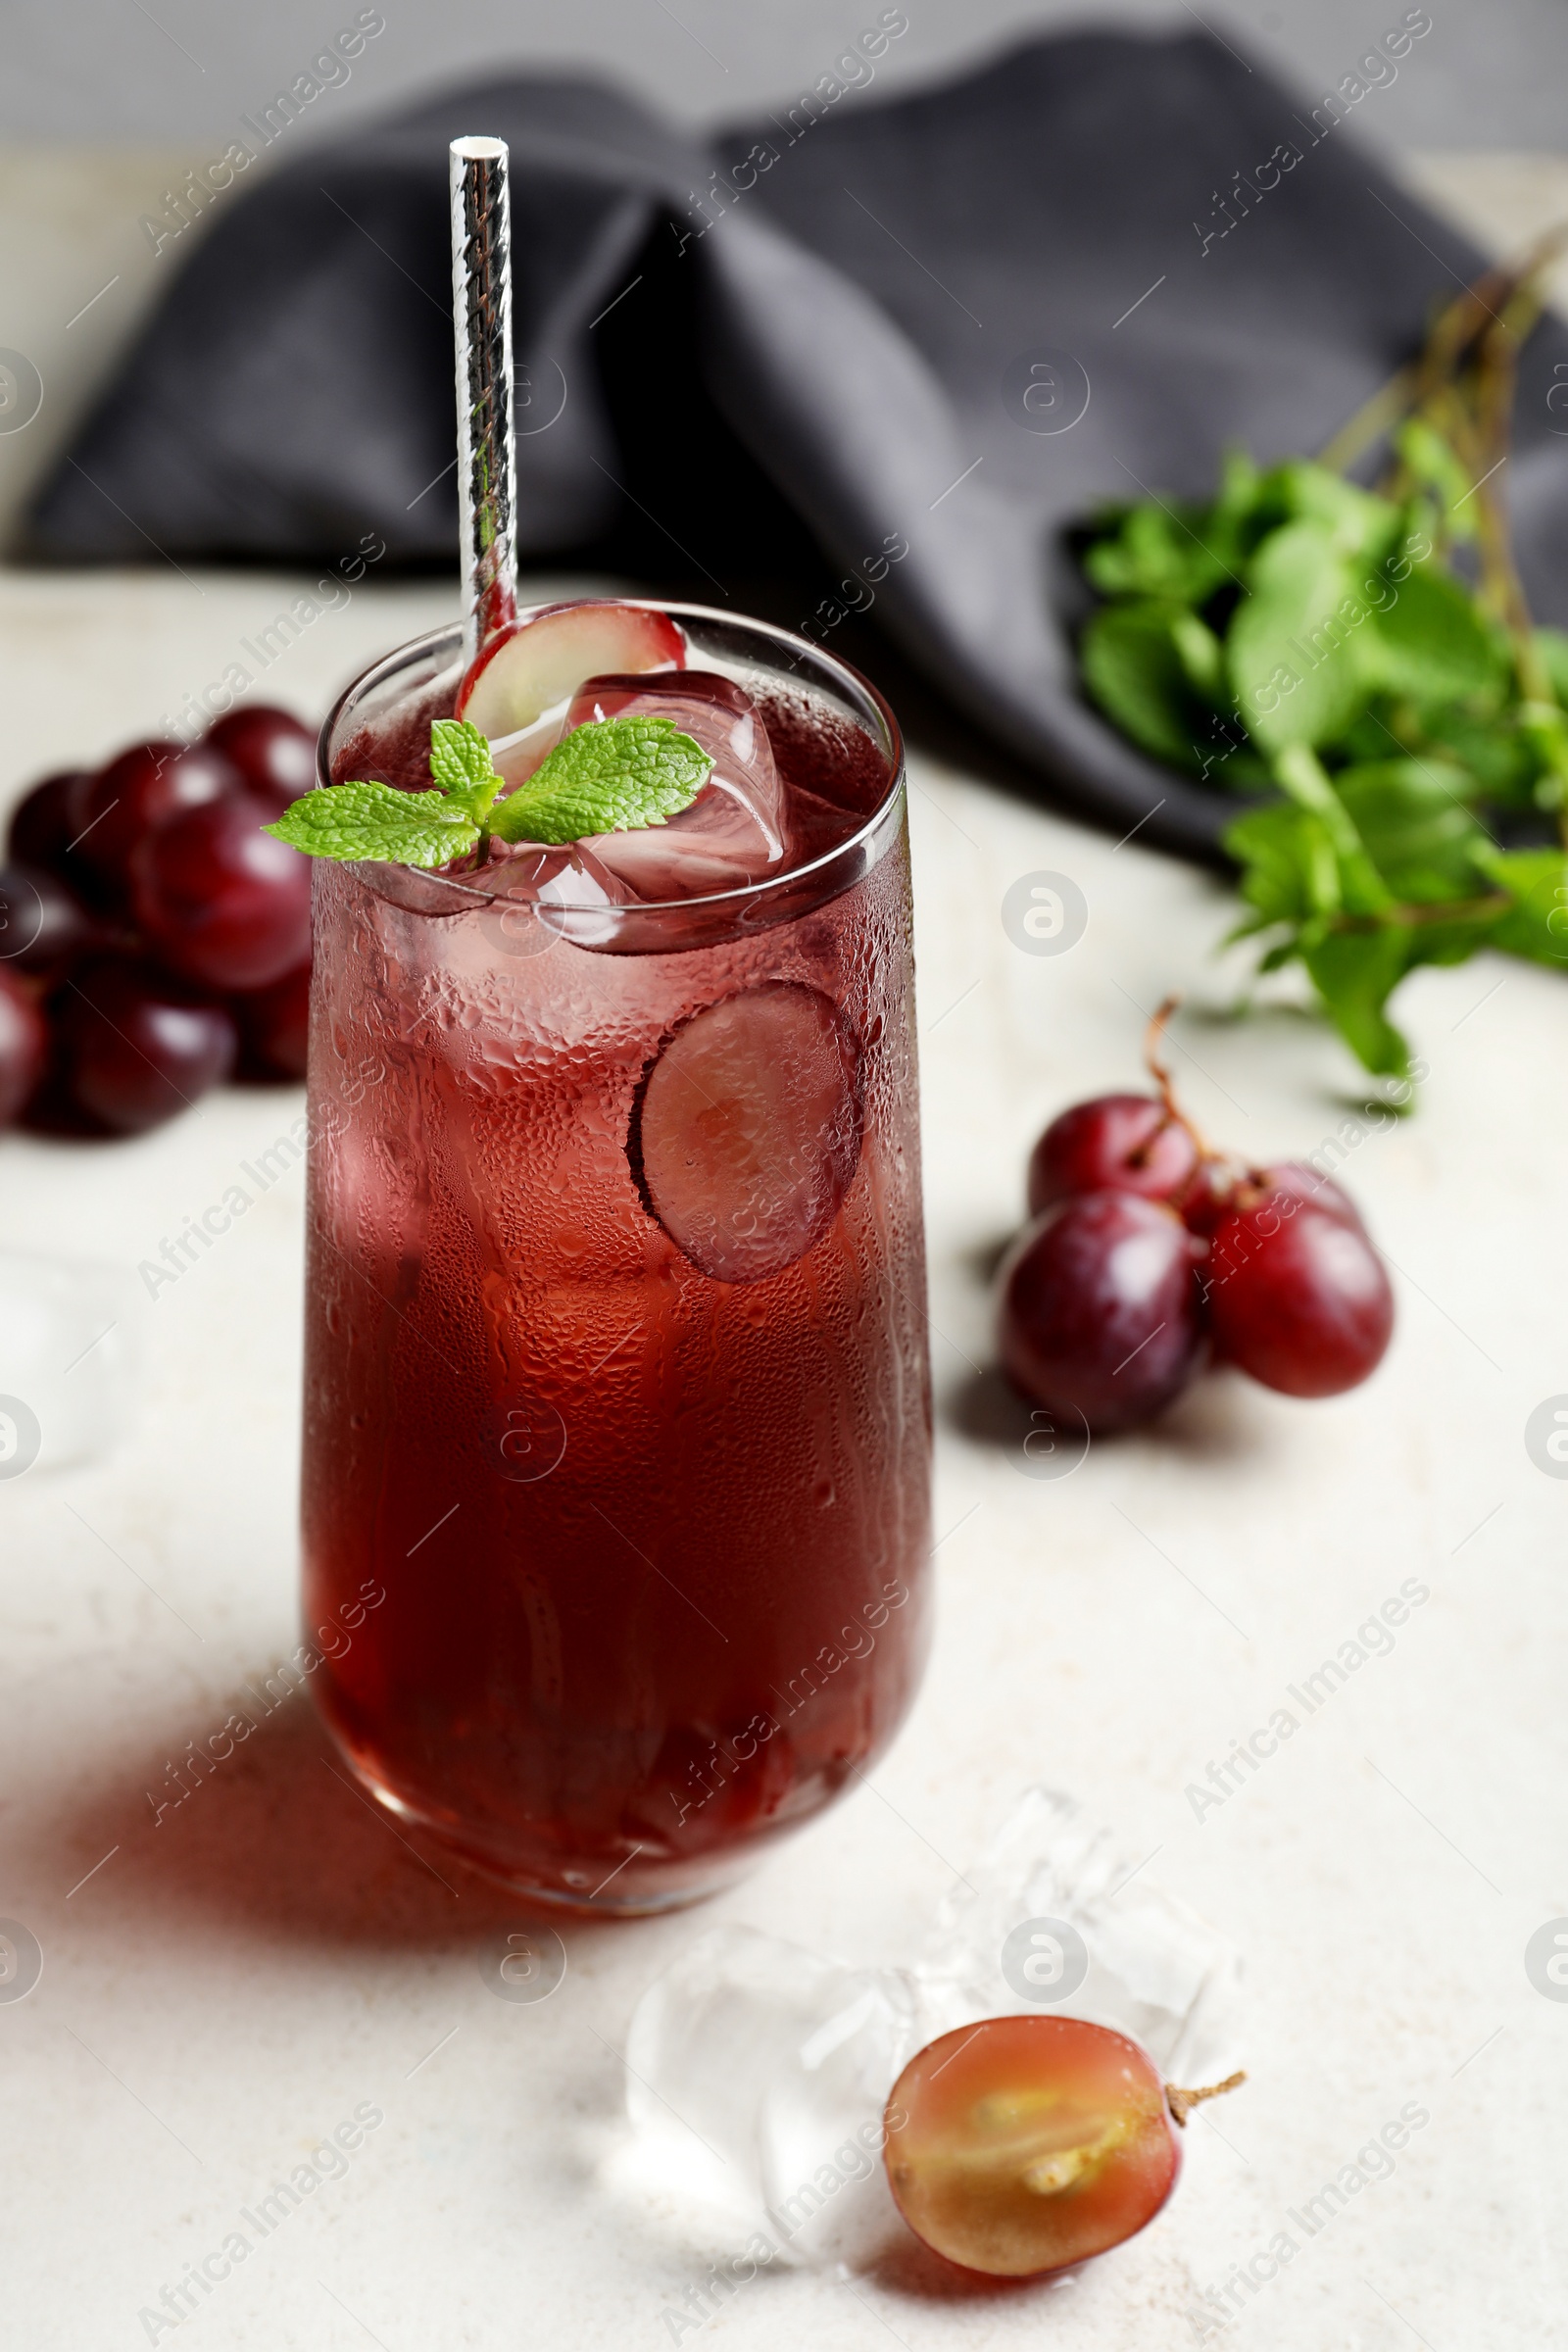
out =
column 154, row 941
column 1148, row 1255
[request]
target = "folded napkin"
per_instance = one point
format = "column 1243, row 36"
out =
column 887, row 351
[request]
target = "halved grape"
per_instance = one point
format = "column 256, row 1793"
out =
column 1026, row 2143
column 527, row 668
column 747, row 1130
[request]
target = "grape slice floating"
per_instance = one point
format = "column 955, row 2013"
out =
column 747, row 1130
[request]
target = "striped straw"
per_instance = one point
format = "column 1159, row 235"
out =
column 481, row 319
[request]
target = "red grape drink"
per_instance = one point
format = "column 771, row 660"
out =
column 616, row 1376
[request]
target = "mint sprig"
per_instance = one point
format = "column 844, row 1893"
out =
column 610, row 775
column 1298, row 635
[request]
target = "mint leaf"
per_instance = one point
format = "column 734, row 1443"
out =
column 610, row 775
column 1361, row 887
column 1290, row 873
column 461, row 763
column 1355, row 972
column 1416, row 828
column 1536, row 924
column 1431, row 644
column 1359, row 524
column 1429, row 459
column 1133, row 666
column 377, row 822
column 1296, row 645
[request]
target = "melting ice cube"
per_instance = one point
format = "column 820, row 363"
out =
column 735, row 831
column 70, row 1352
column 777, row 2062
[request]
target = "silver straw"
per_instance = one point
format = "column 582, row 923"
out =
column 481, row 319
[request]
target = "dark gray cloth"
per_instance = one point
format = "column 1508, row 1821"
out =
column 849, row 354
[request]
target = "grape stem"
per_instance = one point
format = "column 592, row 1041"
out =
column 1153, row 1038
column 1182, row 2102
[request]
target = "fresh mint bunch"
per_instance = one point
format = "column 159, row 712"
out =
column 610, row 775
column 1300, row 636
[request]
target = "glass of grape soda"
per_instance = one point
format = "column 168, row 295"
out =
column 618, row 1419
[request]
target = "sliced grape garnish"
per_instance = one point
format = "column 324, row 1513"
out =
column 537, row 663
column 747, row 1130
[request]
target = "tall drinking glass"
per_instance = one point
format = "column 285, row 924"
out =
column 618, row 1422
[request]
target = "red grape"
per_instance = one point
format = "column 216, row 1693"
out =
column 44, row 927
column 276, row 1025
column 135, row 1047
column 1023, row 2144
column 1222, row 1187
column 1099, row 1308
column 1118, row 1143
column 221, row 901
column 273, row 753
column 1304, row 1183
column 1297, row 1294
column 24, row 1047
column 143, row 789
column 46, row 821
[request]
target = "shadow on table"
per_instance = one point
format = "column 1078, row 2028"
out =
column 911, row 2269
column 280, row 1840
column 1215, row 1420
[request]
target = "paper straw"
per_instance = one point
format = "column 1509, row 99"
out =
column 481, row 319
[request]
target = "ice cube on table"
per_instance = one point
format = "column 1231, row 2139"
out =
column 69, row 1356
column 735, row 832
column 758, row 2071
column 1148, row 1965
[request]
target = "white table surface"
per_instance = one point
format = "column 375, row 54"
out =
column 230, row 1983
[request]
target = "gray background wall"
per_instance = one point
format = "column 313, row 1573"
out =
column 1492, row 74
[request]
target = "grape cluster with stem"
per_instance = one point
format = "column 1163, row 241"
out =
column 1148, row 1256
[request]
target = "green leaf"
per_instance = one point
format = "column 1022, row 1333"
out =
column 1415, row 827
column 1161, row 551
column 1295, row 645
column 1536, row 924
column 1430, row 642
column 1290, row 873
column 1552, row 648
column 1132, row 661
column 1360, row 525
column 1500, row 760
column 610, row 775
column 1363, row 889
column 377, row 822
column 461, row 763
column 1429, row 461
column 1355, row 972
